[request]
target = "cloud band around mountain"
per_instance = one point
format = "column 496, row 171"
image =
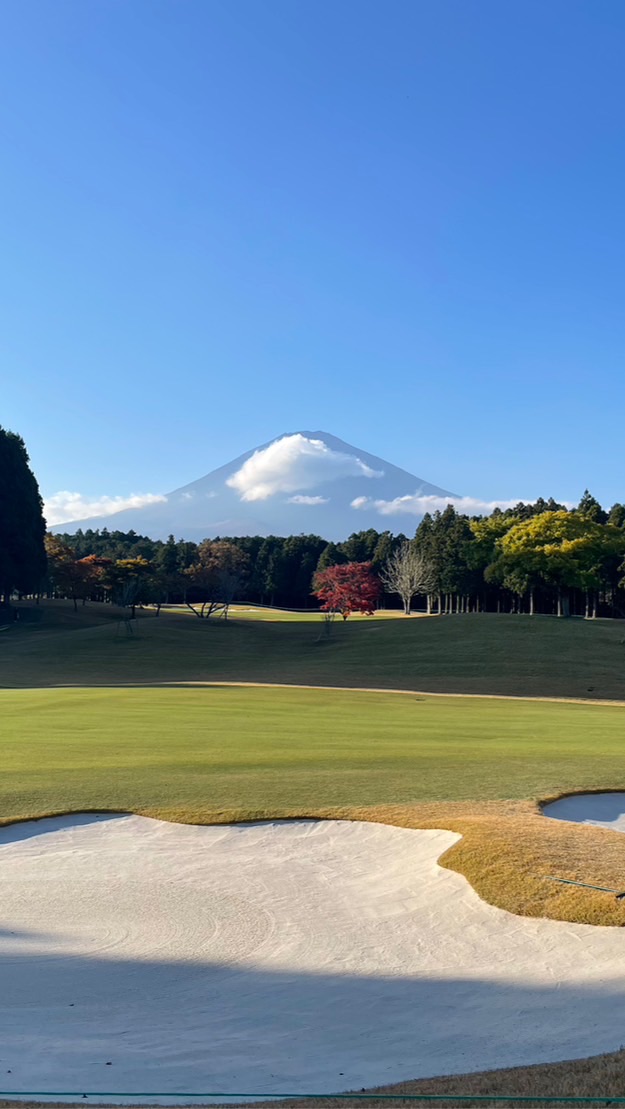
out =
column 416, row 505
column 301, row 498
column 65, row 507
column 292, row 464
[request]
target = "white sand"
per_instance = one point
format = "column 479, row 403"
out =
column 605, row 809
column 276, row 958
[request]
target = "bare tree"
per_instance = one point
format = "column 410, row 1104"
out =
column 407, row 572
column 214, row 578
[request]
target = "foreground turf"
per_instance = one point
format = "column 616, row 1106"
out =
column 221, row 753
column 253, row 750
column 476, row 767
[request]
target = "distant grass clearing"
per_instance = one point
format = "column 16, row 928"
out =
column 219, row 754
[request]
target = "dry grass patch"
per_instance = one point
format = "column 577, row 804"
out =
column 509, row 849
column 507, row 852
column 599, row 1076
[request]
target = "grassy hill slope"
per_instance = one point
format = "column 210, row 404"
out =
column 479, row 654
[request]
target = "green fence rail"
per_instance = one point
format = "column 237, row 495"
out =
column 605, row 1099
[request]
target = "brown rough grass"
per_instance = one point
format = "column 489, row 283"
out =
column 601, row 1076
column 595, row 1077
column 508, row 852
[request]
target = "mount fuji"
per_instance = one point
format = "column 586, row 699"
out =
column 300, row 482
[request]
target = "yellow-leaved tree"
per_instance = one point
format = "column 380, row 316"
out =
column 557, row 551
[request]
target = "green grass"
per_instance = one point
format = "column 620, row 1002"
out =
column 284, row 615
column 248, row 612
column 290, row 616
column 205, row 751
column 201, row 754
column 519, row 655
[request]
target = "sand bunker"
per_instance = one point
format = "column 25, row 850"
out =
column 291, row 957
column 605, row 809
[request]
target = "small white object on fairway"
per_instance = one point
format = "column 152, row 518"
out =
column 607, row 810
column 276, row 958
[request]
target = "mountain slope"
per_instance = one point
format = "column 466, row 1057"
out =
column 306, row 481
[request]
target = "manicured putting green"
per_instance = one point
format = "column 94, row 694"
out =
column 201, row 752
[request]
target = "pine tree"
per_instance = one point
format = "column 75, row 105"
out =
column 331, row 555
column 22, row 526
column 616, row 515
column 168, row 558
column 590, row 507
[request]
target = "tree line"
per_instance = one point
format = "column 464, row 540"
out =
column 266, row 570
column 541, row 557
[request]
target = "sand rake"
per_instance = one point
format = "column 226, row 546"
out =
column 618, row 894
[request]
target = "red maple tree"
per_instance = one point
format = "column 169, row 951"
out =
column 352, row 587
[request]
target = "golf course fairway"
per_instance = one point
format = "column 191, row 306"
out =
column 222, row 753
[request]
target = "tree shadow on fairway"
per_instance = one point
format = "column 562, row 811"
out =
column 101, row 1024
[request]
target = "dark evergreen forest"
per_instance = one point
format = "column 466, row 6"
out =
column 533, row 558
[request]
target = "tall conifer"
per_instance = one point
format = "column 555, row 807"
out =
column 22, row 526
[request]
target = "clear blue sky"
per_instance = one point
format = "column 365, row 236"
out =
column 402, row 222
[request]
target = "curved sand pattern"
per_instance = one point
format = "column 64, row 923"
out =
column 607, row 810
column 289, row 957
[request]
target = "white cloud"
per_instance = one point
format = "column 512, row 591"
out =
column 300, row 498
column 65, row 507
column 294, row 463
column 416, row 505
column 190, row 496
